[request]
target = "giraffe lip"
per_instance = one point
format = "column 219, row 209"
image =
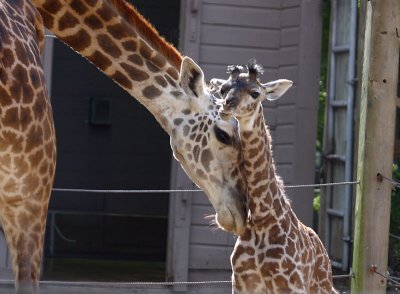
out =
column 225, row 115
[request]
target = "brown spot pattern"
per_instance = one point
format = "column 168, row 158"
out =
column 118, row 31
column 93, row 22
column 150, row 65
column 173, row 73
column 52, row 6
column 67, row 21
column 135, row 73
column 206, row 158
column 109, row 46
column 79, row 41
column 100, row 60
column 121, row 79
column 145, row 50
column 161, row 81
column 170, row 80
column 130, row 45
column 105, row 13
column 79, row 6
column 158, row 60
column 136, row 59
column 178, row 121
column 151, row 92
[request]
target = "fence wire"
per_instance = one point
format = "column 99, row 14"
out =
column 143, row 284
column 386, row 277
column 147, row 191
column 396, row 184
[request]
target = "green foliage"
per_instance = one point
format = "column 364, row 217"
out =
column 322, row 90
column 326, row 19
column 395, row 205
column 321, row 119
column 323, row 73
column 394, row 257
column 317, row 202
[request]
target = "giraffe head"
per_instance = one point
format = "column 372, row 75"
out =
column 243, row 91
column 209, row 149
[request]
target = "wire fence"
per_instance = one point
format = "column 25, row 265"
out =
column 396, row 184
column 388, row 278
column 393, row 280
column 147, row 191
column 145, row 284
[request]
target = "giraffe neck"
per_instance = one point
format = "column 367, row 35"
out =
column 266, row 197
column 123, row 45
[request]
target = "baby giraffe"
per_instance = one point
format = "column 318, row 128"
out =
column 277, row 253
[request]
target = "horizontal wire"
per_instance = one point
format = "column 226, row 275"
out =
column 388, row 278
column 347, row 276
column 121, row 284
column 322, row 185
column 125, row 191
column 394, row 182
column 135, row 283
column 134, row 191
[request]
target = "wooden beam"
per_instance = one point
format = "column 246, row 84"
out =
column 378, row 91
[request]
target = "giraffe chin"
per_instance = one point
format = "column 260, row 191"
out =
column 230, row 222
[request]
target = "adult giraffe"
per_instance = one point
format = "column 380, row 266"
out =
column 277, row 253
column 124, row 46
column 117, row 39
column 27, row 140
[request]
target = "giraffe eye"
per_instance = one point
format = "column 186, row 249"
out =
column 223, row 136
column 255, row 94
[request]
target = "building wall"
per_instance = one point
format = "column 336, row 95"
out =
column 284, row 36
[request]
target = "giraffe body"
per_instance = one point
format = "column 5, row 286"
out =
column 27, row 141
column 277, row 253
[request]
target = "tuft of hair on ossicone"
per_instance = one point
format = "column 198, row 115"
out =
column 254, row 68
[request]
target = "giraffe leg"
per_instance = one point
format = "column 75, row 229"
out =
column 24, row 226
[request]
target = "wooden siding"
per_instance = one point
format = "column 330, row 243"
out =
column 5, row 258
column 279, row 34
column 231, row 33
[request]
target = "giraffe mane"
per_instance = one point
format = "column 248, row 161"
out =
column 148, row 32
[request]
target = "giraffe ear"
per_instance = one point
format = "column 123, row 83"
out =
column 276, row 89
column 192, row 78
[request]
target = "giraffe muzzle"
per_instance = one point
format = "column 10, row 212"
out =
column 231, row 220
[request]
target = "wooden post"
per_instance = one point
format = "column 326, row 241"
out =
column 378, row 89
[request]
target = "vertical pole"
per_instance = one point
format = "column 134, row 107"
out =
column 378, row 88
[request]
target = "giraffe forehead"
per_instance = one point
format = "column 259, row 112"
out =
column 241, row 84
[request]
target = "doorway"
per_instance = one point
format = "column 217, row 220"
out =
column 107, row 140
